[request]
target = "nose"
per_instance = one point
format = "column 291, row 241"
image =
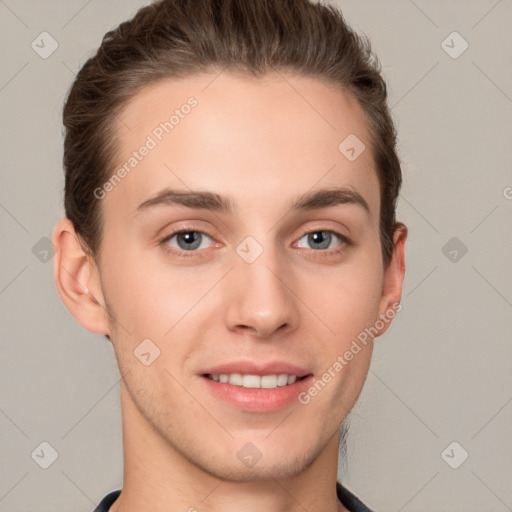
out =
column 261, row 298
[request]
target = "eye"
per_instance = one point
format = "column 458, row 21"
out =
column 321, row 239
column 186, row 240
column 190, row 241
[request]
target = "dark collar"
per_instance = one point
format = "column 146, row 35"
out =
column 347, row 499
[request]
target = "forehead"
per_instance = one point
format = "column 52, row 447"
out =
column 253, row 140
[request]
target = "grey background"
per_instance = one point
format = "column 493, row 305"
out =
column 442, row 372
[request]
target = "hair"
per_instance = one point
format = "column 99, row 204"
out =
column 179, row 38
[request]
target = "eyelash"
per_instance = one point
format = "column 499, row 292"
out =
column 345, row 242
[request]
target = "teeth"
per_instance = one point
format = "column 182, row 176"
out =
column 236, row 379
column 282, row 379
column 251, row 381
column 255, row 381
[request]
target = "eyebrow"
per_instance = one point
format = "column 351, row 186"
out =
column 214, row 202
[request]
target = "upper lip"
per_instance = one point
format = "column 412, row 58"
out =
column 253, row 368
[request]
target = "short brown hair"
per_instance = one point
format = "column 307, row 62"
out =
column 178, row 38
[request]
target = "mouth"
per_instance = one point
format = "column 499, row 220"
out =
column 249, row 381
column 257, row 388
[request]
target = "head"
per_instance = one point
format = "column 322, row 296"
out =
column 198, row 141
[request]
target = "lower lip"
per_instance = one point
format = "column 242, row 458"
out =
column 258, row 399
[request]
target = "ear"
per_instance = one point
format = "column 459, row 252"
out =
column 394, row 273
column 78, row 280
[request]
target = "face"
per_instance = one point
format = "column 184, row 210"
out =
column 223, row 259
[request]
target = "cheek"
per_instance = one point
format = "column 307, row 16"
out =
column 149, row 296
column 350, row 310
column 349, row 299
column 133, row 291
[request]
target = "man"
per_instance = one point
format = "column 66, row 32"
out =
column 231, row 182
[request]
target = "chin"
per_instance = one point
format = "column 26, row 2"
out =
column 265, row 469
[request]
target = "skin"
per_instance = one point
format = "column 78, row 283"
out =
column 261, row 144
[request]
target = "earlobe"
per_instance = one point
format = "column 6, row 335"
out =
column 393, row 280
column 77, row 280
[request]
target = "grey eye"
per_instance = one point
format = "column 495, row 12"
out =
column 320, row 239
column 188, row 240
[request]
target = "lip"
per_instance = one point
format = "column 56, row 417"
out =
column 257, row 399
column 252, row 368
